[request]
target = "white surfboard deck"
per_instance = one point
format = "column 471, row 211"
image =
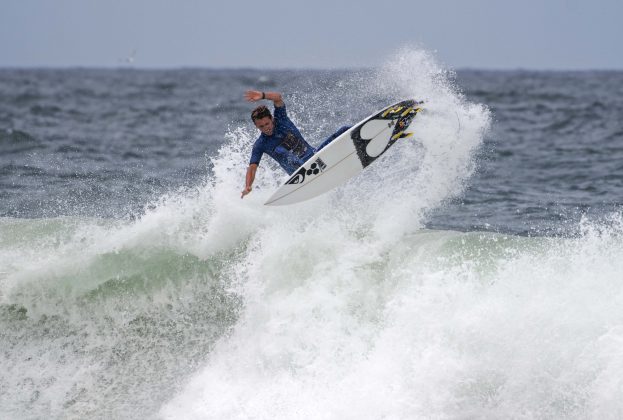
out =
column 348, row 154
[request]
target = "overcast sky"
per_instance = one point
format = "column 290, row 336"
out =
column 488, row 34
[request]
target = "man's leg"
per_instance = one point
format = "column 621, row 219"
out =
column 333, row 137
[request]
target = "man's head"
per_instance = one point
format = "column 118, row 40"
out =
column 263, row 120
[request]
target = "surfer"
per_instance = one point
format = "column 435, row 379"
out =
column 279, row 137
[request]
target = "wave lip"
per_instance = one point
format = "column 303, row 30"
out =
column 102, row 318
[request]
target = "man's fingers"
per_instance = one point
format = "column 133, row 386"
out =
column 251, row 95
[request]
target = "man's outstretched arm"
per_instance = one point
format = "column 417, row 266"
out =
column 249, row 179
column 256, row 95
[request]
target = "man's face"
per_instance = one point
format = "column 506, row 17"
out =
column 265, row 125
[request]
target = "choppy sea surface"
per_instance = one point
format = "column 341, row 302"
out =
column 474, row 271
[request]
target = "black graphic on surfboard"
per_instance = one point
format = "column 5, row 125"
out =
column 315, row 168
column 369, row 138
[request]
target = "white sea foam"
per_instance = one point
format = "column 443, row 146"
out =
column 441, row 325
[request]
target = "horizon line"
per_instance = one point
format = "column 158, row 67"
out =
column 275, row 69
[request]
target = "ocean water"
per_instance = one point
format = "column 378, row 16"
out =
column 475, row 271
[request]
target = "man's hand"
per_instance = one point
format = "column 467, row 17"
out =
column 256, row 95
column 253, row 95
column 246, row 191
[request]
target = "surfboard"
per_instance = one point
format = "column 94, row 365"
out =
column 348, row 154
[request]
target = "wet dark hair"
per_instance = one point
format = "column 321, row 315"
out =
column 260, row 112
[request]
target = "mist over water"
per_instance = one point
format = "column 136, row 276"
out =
column 462, row 276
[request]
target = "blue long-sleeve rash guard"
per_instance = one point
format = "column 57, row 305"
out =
column 286, row 145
